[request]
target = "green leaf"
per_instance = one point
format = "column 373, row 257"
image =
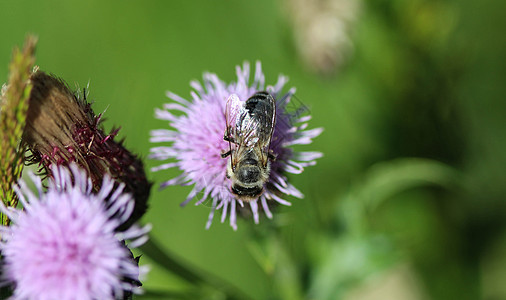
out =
column 386, row 179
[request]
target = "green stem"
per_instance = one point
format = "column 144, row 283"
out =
column 193, row 275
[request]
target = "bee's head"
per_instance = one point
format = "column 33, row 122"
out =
column 247, row 193
column 247, row 180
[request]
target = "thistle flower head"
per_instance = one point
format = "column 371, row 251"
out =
column 65, row 244
column 323, row 31
column 197, row 143
column 62, row 128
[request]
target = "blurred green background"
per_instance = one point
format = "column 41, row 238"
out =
column 408, row 200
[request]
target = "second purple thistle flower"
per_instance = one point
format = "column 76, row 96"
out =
column 197, row 144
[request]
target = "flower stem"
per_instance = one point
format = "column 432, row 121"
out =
column 191, row 274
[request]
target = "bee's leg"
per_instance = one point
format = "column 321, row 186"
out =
column 226, row 135
column 230, row 139
column 226, row 154
column 271, row 155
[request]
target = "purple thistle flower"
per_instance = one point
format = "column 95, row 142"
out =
column 197, row 143
column 65, row 243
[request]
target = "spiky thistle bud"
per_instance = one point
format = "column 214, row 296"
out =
column 13, row 110
column 62, row 128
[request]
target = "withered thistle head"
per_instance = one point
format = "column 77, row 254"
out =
column 62, row 128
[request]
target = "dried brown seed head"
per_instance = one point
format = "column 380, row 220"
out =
column 62, row 128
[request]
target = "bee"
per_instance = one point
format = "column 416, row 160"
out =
column 250, row 125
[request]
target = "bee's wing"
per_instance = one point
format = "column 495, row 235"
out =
column 249, row 130
column 257, row 128
column 294, row 112
column 233, row 110
column 270, row 123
